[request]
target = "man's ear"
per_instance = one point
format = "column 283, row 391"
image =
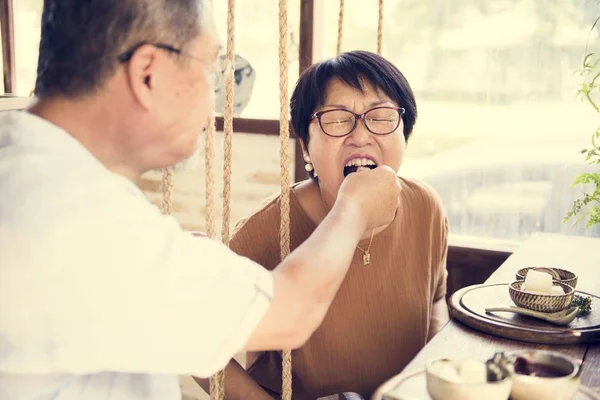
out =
column 140, row 73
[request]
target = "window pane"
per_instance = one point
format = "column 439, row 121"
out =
column 1, row 69
column 256, row 34
column 500, row 125
column 28, row 15
column 257, row 41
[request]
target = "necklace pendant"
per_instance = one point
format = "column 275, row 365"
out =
column 366, row 259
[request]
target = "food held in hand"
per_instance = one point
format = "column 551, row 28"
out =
column 538, row 282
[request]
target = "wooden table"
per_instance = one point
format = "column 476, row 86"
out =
column 578, row 254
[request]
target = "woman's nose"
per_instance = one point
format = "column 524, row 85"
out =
column 360, row 135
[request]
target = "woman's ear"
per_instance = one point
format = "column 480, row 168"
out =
column 304, row 148
column 308, row 166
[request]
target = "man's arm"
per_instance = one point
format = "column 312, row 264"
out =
column 307, row 280
column 118, row 286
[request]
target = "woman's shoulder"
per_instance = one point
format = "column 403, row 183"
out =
column 266, row 213
column 418, row 195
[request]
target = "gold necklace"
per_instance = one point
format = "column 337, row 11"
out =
column 366, row 254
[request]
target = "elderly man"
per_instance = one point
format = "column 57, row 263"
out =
column 98, row 290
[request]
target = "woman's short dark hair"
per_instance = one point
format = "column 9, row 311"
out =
column 353, row 68
column 81, row 40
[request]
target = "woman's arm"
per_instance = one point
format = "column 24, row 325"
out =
column 439, row 317
column 439, row 312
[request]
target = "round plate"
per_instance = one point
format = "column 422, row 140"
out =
column 413, row 386
column 468, row 306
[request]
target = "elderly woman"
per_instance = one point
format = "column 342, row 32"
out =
column 356, row 110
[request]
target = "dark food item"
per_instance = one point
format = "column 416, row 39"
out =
column 497, row 367
column 525, row 367
column 353, row 168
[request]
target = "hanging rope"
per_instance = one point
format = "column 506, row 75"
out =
column 380, row 28
column 340, row 28
column 228, row 120
column 217, row 382
column 209, row 160
column 284, row 135
column 166, row 188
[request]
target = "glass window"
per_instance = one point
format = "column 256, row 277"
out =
column 257, row 43
column 1, row 68
column 257, row 66
column 27, row 27
column 500, row 125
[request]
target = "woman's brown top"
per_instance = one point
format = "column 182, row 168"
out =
column 380, row 317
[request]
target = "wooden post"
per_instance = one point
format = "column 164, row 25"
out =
column 8, row 45
column 305, row 59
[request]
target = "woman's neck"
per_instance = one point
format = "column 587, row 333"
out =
column 316, row 208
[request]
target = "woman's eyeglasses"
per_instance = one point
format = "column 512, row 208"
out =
column 379, row 120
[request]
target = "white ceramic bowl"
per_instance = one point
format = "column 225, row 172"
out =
column 526, row 387
column 440, row 388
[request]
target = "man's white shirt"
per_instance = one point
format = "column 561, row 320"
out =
column 101, row 296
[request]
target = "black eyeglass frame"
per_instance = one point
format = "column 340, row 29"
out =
column 399, row 110
column 126, row 56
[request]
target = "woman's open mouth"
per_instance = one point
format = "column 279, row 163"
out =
column 353, row 165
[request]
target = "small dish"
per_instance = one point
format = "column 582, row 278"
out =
column 450, row 386
column 542, row 374
column 541, row 302
column 566, row 277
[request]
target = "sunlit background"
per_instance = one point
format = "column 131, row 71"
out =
column 500, row 124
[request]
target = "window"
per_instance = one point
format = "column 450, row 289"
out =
column 256, row 34
column 2, row 69
column 27, row 25
column 257, row 41
column 500, row 126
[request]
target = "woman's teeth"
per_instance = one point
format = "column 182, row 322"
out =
column 359, row 162
column 353, row 165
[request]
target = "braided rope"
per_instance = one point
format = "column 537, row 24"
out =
column 166, row 188
column 217, row 382
column 380, row 28
column 284, row 134
column 209, row 160
column 228, row 120
column 340, row 28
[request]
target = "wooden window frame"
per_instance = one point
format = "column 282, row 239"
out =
column 8, row 45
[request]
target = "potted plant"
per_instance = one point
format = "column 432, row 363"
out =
column 589, row 204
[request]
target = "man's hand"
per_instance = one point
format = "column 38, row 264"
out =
column 375, row 194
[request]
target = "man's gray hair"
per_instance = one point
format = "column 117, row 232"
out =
column 82, row 39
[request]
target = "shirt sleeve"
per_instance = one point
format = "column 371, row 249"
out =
column 442, row 271
column 129, row 291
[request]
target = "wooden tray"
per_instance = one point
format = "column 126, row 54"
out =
column 413, row 386
column 468, row 306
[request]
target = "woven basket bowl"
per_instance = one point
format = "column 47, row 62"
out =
column 541, row 302
column 566, row 277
